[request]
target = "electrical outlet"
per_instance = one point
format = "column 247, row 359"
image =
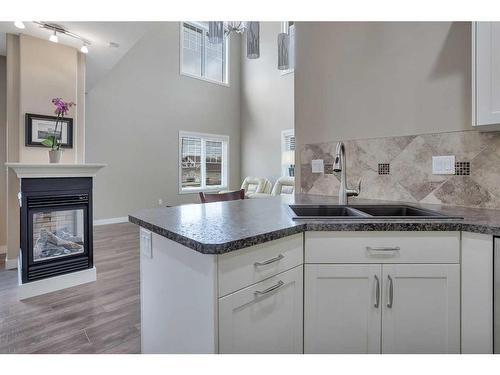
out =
column 443, row 164
column 317, row 166
column 146, row 243
column 160, row 202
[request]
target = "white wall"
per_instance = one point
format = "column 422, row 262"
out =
column 133, row 117
column 372, row 79
column 266, row 107
column 49, row 70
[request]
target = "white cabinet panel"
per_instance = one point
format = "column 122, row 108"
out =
column 265, row 317
column 486, row 73
column 178, row 299
column 477, row 293
column 424, row 316
column 341, row 314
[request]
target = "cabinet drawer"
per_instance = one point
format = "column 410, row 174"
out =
column 265, row 317
column 382, row 247
column 245, row 267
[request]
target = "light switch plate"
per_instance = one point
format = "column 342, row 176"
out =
column 443, row 164
column 146, row 243
column 317, row 166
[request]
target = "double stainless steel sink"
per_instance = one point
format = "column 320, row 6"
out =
column 388, row 212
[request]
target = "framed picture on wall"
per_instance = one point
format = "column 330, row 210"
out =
column 39, row 127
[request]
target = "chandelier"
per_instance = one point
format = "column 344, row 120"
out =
column 218, row 30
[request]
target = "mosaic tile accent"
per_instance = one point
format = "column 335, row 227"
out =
column 328, row 168
column 476, row 183
column 384, row 168
column 462, row 168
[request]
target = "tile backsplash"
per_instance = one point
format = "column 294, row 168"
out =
column 475, row 184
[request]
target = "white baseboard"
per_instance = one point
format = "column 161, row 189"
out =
column 36, row 288
column 3, row 249
column 11, row 264
column 113, row 220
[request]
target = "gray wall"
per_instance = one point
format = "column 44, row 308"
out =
column 266, row 107
column 365, row 79
column 3, row 149
column 133, row 117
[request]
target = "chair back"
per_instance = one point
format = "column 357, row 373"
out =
column 222, row 197
column 284, row 185
column 253, row 185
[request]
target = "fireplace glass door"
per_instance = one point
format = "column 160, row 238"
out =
column 58, row 233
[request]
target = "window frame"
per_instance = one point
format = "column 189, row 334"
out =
column 181, row 55
column 225, row 162
column 284, row 134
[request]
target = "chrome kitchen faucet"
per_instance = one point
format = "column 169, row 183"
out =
column 340, row 166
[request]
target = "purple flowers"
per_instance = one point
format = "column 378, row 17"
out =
column 54, row 140
column 62, row 107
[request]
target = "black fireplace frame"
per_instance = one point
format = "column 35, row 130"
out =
column 69, row 193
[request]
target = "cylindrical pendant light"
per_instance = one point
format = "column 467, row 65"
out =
column 253, row 42
column 215, row 32
column 283, row 51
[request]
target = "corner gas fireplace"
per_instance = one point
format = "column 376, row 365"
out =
column 56, row 226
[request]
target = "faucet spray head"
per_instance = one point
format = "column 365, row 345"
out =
column 337, row 165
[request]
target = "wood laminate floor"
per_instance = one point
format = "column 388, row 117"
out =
column 99, row 317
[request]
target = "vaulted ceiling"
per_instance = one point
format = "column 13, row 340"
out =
column 101, row 57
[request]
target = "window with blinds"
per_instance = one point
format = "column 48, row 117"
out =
column 202, row 162
column 289, row 142
column 287, row 152
column 200, row 58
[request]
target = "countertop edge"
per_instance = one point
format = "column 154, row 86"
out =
column 219, row 248
column 222, row 248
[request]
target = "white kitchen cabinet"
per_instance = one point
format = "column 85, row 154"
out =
column 342, row 306
column 421, row 309
column 266, row 317
column 486, row 73
column 263, row 299
column 415, row 275
column 421, row 314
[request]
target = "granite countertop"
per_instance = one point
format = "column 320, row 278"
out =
column 217, row 228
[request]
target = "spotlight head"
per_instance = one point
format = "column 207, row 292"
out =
column 53, row 37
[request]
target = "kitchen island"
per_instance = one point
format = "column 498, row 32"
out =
column 243, row 277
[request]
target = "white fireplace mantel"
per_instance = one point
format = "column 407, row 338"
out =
column 32, row 170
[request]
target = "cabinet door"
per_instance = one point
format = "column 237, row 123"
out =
column 265, row 317
column 342, row 308
column 421, row 308
column 486, row 73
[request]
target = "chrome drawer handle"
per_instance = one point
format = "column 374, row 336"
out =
column 270, row 289
column 391, row 292
column 383, row 248
column 377, row 293
column 269, row 261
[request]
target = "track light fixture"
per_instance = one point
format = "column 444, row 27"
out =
column 84, row 49
column 58, row 29
column 53, row 37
